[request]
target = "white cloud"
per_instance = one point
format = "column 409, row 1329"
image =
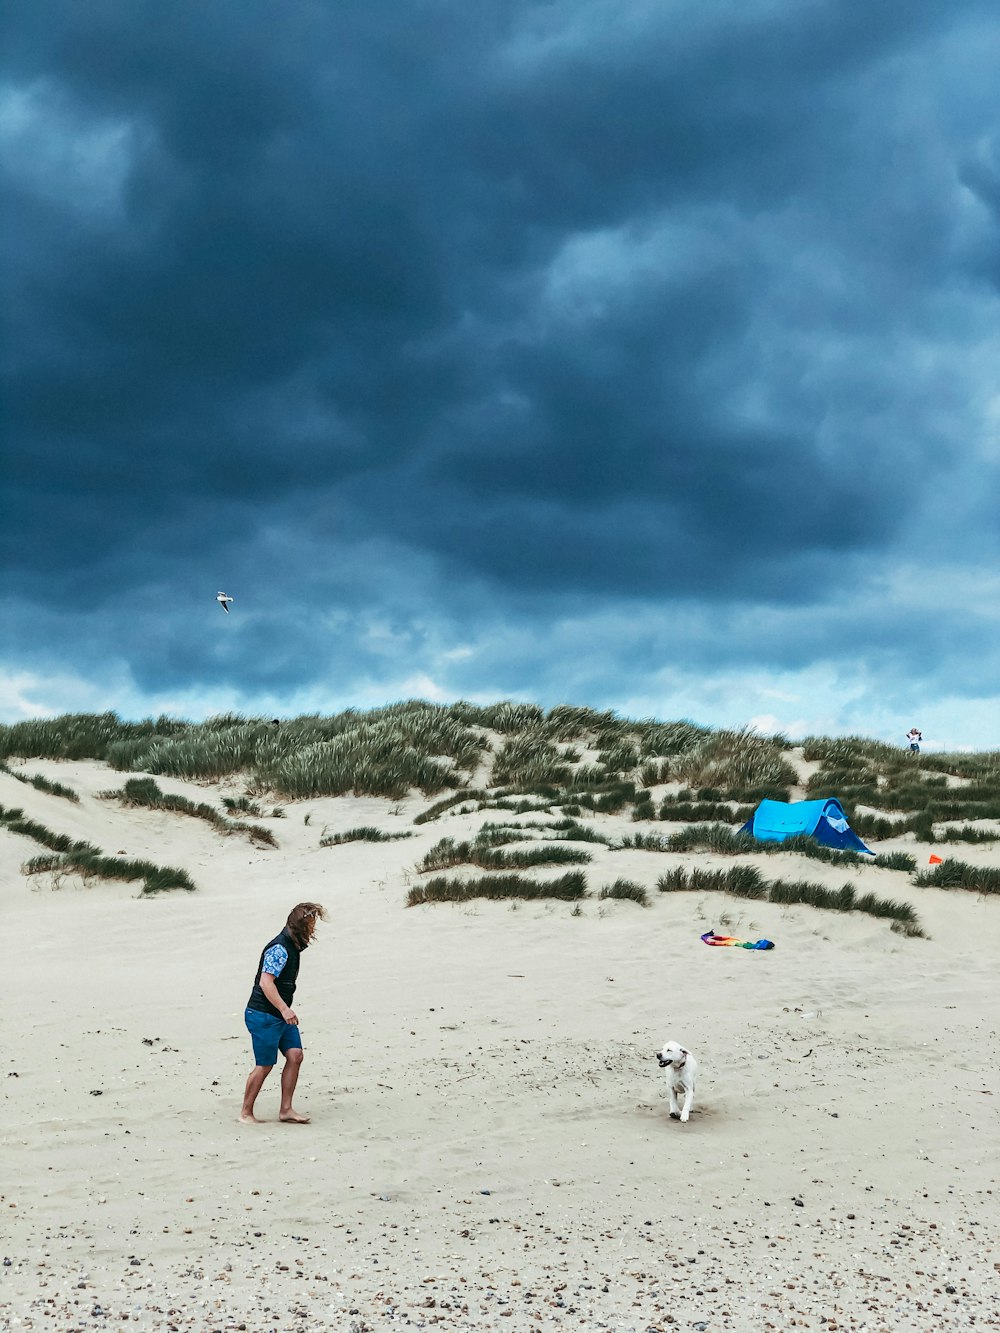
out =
column 58, row 152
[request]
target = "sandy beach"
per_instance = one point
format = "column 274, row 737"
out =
column 490, row 1147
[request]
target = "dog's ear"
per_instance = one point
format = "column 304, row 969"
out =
column 685, row 1051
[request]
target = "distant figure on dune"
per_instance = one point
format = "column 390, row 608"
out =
column 271, row 1021
column 223, row 601
column 913, row 739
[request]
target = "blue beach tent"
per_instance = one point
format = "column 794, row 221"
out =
column 774, row 821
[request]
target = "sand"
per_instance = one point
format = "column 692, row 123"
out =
column 490, row 1146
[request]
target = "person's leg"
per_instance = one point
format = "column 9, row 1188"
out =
column 289, row 1078
column 265, row 1032
column 254, row 1084
column 291, row 1049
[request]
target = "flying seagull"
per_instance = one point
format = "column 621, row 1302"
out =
column 223, row 601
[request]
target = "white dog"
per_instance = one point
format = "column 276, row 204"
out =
column 682, row 1071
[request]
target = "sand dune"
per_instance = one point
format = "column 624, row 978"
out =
column 490, row 1147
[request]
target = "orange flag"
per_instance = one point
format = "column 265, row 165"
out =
column 934, row 861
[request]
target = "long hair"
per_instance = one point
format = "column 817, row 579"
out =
column 302, row 920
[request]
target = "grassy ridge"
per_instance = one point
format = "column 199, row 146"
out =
column 524, row 759
column 393, row 750
column 365, row 833
column 41, row 783
column 87, row 860
column 721, row 839
column 145, row 792
column 16, row 822
column 441, row 889
column 489, row 855
column 747, row 882
column 627, row 890
column 959, row 875
column 92, row 865
column 871, row 773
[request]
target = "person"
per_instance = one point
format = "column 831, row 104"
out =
column 914, row 737
column 271, row 1021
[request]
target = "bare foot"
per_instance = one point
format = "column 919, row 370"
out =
column 248, row 1118
column 293, row 1118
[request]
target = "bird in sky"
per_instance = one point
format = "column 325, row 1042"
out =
column 223, row 601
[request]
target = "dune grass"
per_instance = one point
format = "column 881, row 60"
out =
column 601, row 797
column 524, row 806
column 641, row 842
column 41, row 783
column 146, row 792
column 488, row 854
column 83, row 858
column 78, row 735
column 968, row 834
column 654, row 771
column 627, row 890
column 894, row 861
column 435, row 748
column 566, row 722
column 92, row 865
column 876, row 827
column 952, row 874
column 669, row 739
column 565, row 830
column 710, row 838
column 364, row 833
column 674, row 809
column 447, row 802
column 385, row 751
column 529, row 759
column 568, row 887
column 53, row 788
column 725, row 841
column 15, row 821
column 619, row 758
column 741, row 764
column 242, row 805
column 863, row 772
column 747, row 882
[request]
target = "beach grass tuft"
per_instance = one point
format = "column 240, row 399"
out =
column 488, row 854
column 952, row 874
column 85, row 859
column 146, row 792
column 530, row 760
column 743, row 765
column 747, row 882
column 568, row 887
column 15, row 821
column 626, row 889
column 364, row 833
column 241, row 805
column 42, row 783
column 641, row 842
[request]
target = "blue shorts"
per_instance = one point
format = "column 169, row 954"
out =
column 271, row 1034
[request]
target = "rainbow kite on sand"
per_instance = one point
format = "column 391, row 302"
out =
column 731, row 942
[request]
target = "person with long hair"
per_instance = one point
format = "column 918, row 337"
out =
column 271, row 1021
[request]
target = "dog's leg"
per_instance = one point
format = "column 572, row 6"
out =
column 688, row 1099
column 675, row 1113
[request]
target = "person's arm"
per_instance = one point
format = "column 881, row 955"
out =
column 271, row 992
column 273, row 965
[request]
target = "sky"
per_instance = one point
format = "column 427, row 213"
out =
column 633, row 353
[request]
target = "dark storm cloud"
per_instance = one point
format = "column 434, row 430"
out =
column 550, row 300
